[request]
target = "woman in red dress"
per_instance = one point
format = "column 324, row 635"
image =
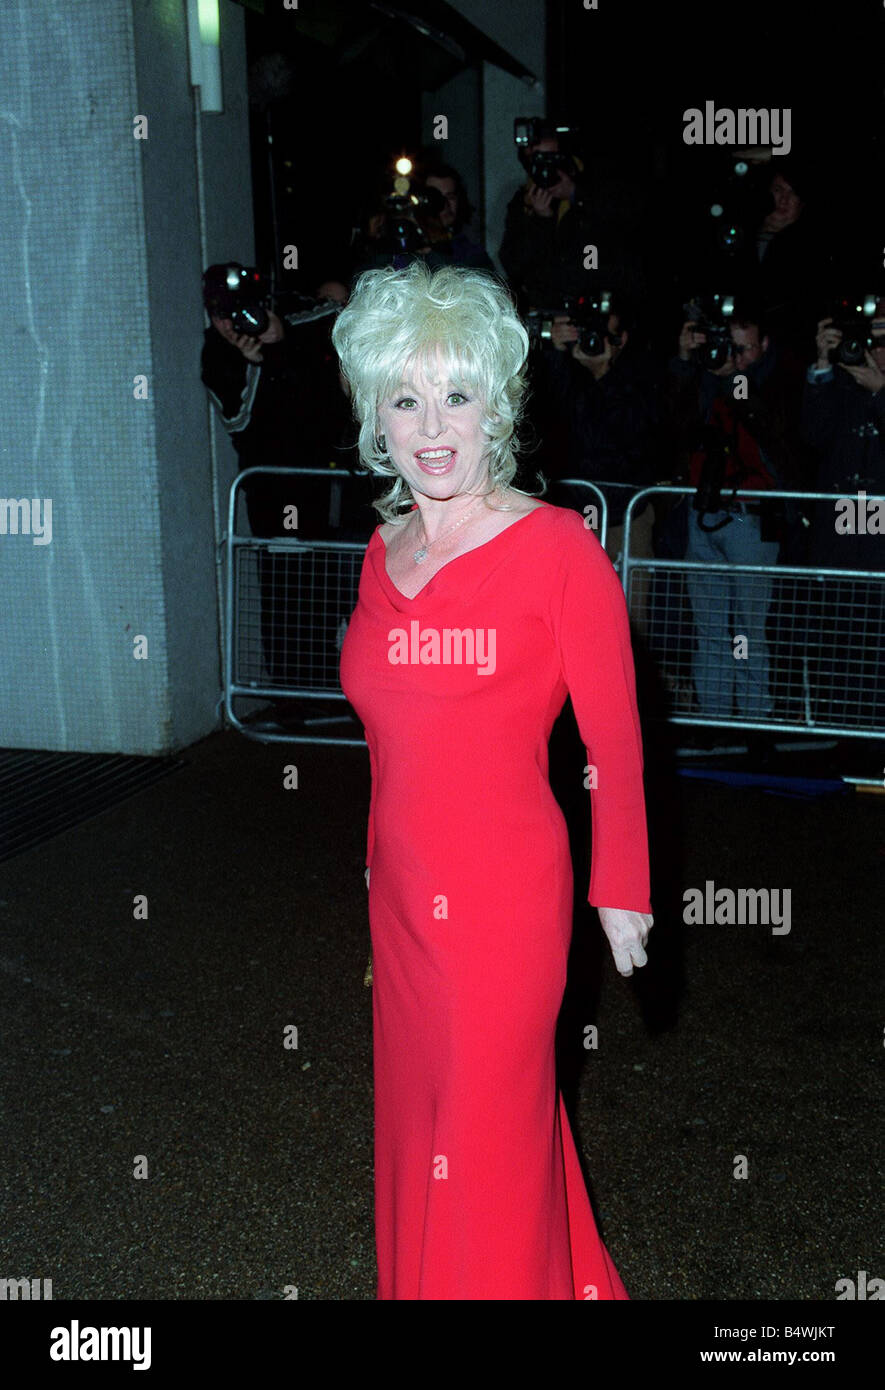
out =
column 480, row 608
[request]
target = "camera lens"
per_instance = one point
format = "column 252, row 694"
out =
column 250, row 319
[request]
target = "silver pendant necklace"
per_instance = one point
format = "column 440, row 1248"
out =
column 421, row 553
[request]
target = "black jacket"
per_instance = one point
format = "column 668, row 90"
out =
column 609, row 426
column 287, row 411
column 845, row 424
column 544, row 256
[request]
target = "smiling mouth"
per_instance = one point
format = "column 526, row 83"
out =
column 435, row 460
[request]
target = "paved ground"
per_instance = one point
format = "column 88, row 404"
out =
column 164, row 1038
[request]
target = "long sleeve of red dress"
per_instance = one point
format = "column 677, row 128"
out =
column 478, row 1187
column 591, row 629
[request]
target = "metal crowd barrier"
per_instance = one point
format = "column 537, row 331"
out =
column 819, row 635
column 288, row 602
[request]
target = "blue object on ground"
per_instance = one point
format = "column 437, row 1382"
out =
column 801, row 788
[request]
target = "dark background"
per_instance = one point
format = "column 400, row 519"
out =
column 347, row 99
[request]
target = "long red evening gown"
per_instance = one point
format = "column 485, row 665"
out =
column 478, row 1190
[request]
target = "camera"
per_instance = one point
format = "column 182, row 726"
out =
column 855, row 320
column 405, row 214
column 545, row 167
column 711, row 316
column 528, row 130
column 590, row 315
column 239, row 293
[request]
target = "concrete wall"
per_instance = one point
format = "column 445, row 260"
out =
column 100, row 255
column 227, row 230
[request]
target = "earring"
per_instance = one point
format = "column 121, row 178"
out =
column 381, row 443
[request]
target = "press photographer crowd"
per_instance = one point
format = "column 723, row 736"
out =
column 753, row 366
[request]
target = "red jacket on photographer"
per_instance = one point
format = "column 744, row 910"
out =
column 746, row 467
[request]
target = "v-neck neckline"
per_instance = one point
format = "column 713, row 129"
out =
column 405, row 598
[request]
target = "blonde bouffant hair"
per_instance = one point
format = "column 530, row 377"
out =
column 397, row 319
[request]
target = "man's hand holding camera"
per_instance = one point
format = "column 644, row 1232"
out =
column 828, row 339
column 691, row 338
column 541, row 200
column 563, row 332
column 538, row 200
column 869, row 376
column 251, row 347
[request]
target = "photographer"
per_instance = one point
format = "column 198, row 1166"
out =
column 792, row 251
column 734, row 443
column 843, row 418
column 426, row 222
column 277, row 397
column 549, row 222
column 277, row 392
column 602, row 392
column 454, row 216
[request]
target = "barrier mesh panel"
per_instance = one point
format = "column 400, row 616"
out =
column 785, row 648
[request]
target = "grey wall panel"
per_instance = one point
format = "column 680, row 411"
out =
column 227, row 203
column 71, row 242
column 183, row 460
column 100, row 253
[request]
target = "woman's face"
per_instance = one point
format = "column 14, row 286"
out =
column 433, row 434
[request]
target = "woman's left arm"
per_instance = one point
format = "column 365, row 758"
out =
column 593, row 635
